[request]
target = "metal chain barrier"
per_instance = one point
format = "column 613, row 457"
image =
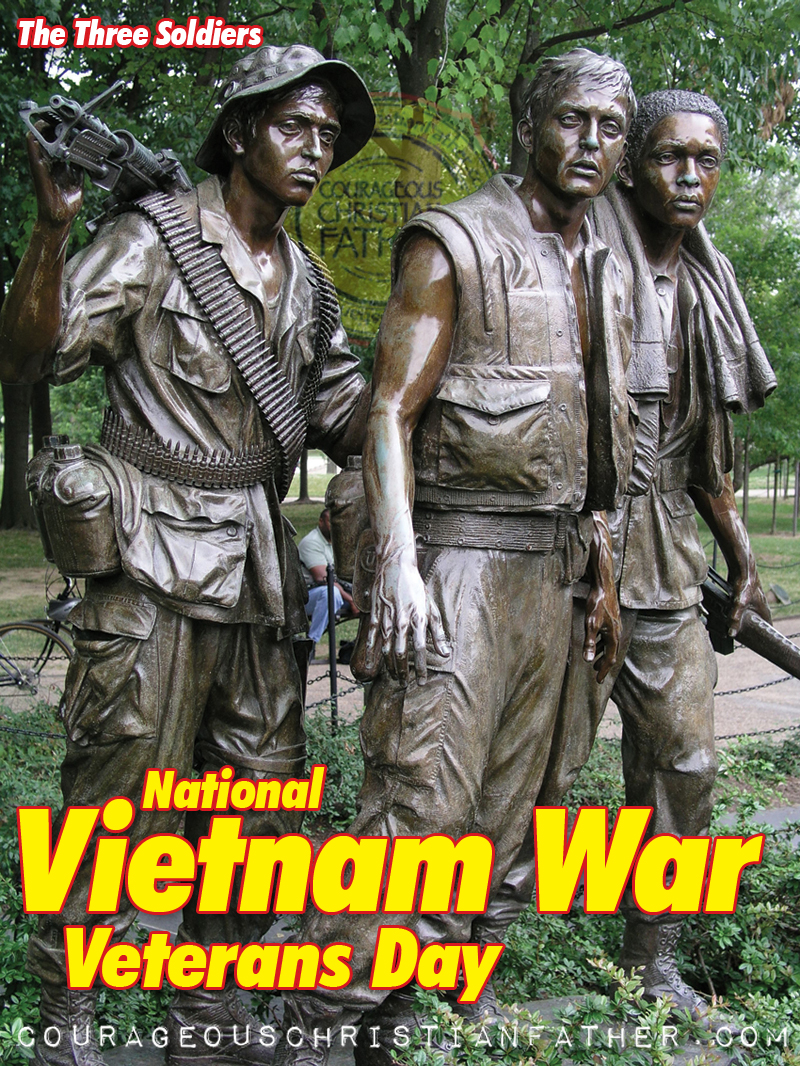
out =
column 325, row 675
column 752, row 688
column 32, row 733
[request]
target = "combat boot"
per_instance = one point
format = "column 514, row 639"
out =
column 71, row 1013
column 311, row 1024
column 650, row 949
column 484, row 1011
column 306, row 1055
column 376, row 1037
column 219, row 1026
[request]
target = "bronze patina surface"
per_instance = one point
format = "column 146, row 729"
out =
column 482, row 462
column 185, row 655
column 695, row 360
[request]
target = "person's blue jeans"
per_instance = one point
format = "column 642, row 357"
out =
column 317, row 609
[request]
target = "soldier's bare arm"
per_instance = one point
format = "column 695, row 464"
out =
column 31, row 314
column 722, row 518
column 413, row 348
column 602, row 606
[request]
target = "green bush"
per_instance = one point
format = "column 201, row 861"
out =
column 751, row 958
column 340, row 751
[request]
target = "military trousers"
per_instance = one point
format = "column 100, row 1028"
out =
column 664, row 690
column 464, row 753
column 191, row 693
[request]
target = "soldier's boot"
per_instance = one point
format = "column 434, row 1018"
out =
column 305, row 1055
column 376, row 1037
column 310, row 1047
column 219, row 1026
column 484, row 1011
column 650, row 948
column 72, row 1013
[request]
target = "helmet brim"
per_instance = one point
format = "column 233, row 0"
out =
column 357, row 117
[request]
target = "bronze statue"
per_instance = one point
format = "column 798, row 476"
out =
column 695, row 360
column 481, row 461
column 185, row 654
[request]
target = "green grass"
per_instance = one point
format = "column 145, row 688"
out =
column 303, row 516
column 20, row 548
column 778, row 556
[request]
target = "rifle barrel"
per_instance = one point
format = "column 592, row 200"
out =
column 766, row 641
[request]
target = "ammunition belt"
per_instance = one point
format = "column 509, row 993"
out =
column 218, row 294
column 508, row 532
column 151, row 454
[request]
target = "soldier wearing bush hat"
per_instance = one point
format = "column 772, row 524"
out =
column 184, row 650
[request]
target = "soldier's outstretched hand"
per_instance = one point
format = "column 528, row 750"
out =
column 402, row 613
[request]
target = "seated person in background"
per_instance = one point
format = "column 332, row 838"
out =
column 316, row 551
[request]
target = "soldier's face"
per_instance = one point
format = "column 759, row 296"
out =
column 675, row 178
column 581, row 142
column 292, row 148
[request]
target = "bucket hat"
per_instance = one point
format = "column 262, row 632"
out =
column 270, row 68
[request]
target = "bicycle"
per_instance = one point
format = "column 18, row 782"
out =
column 27, row 646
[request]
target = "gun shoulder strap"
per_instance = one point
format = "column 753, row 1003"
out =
column 326, row 313
column 211, row 283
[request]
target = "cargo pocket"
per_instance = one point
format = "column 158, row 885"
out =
column 193, row 353
column 190, row 544
column 495, row 429
column 111, row 690
column 404, row 729
column 679, row 503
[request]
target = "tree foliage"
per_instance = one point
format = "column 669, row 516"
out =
column 755, row 220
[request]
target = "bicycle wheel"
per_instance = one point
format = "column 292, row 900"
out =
column 25, row 649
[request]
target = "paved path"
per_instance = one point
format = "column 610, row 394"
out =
column 736, row 711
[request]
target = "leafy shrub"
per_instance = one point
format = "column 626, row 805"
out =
column 341, row 753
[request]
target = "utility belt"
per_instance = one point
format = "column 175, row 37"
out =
column 71, row 488
column 151, row 454
column 507, row 532
column 672, row 474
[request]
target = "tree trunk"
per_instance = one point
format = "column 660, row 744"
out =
column 16, row 511
column 738, row 463
column 519, row 157
column 774, row 528
column 796, row 506
column 426, row 34
column 786, row 479
column 304, row 497
column 41, row 418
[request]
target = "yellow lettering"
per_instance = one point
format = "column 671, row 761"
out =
column 729, row 858
column 607, row 865
column 362, row 893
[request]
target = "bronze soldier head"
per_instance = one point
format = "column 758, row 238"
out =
column 675, row 150
column 576, row 113
column 265, row 81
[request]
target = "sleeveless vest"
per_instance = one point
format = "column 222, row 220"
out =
column 516, row 422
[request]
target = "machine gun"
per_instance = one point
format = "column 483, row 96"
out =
column 115, row 161
column 754, row 632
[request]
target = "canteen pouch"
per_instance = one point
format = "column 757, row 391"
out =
column 34, row 473
column 347, row 504
column 75, row 502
